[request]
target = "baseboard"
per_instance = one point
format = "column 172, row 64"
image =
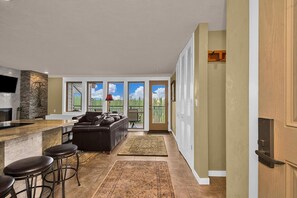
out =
column 201, row 181
column 216, row 173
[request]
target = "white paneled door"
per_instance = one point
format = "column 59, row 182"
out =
column 184, row 102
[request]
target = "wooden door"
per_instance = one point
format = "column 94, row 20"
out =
column 277, row 71
column 158, row 109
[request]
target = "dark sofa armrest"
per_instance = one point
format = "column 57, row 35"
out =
column 118, row 123
column 77, row 117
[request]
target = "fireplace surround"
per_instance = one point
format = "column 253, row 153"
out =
column 5, row 114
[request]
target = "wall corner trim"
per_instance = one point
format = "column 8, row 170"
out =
column 173, row 134
column 201, row 181
column 217, row 173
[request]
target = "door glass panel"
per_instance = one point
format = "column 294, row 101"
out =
column 158, row 104
column 74, row 96
column 116, row 89
column 95, row 96
column 136, row 104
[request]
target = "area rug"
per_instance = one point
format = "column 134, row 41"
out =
column 144, row 145
column 136, row 179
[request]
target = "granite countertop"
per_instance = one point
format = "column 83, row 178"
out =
column 36, row 127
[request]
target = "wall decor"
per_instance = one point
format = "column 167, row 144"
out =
column 173, row 91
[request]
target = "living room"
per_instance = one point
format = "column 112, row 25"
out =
column 70, row 46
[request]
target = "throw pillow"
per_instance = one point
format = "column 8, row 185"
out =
column 116, row 117
column 100, row 119
column 107, row 121
column 91, row 118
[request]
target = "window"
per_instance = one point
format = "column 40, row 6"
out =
column 116, row 89
column 74, row 96
column 136, row 104
column 95, row 96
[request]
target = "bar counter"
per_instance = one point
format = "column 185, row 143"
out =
column 29, row 140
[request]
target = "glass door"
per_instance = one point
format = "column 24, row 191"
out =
column 158, row 105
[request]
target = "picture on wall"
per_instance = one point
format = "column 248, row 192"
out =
column 173, row 91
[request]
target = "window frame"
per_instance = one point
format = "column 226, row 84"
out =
column 88, row 96
column 68, row 82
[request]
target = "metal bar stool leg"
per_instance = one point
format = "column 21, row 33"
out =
column 35, row 184
column 77, row 165
column 28, row 186
column 12, row 193
column 59, row 171
column 54, row 181
column 64, row 178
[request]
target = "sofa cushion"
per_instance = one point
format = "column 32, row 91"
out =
column 107, row 121
column 90, row 118
column 93, row 113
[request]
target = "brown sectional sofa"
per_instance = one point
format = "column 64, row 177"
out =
column 91, row 135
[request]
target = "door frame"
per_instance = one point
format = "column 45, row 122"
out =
column 253, row 95
column 154, row 127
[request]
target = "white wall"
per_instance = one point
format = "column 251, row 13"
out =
column 11, row 100
column 84, row 81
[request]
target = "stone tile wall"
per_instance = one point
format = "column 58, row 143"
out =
column 34, row 94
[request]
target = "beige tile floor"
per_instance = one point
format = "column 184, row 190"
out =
column 93, row 172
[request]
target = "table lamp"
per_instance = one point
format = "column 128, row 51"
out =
column 108, row 99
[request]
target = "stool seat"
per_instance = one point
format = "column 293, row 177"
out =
column 6, row 184
column 61, row 150
column 28, row 166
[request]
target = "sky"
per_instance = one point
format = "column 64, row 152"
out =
column 117, row 90
column 97, row 93
column 136, row 91
column 158, row 91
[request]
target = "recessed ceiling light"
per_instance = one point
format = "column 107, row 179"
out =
column 46, row 72
column 6, row 0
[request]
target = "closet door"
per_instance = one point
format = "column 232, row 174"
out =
column 185, row 107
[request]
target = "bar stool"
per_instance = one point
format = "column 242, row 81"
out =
column 29, row 169
column 6, row 186
column 61, row 153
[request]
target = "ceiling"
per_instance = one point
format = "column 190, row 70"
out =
column 101, row 37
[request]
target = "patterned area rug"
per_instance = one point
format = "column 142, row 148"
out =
column 144, row 145
column 137, row 179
